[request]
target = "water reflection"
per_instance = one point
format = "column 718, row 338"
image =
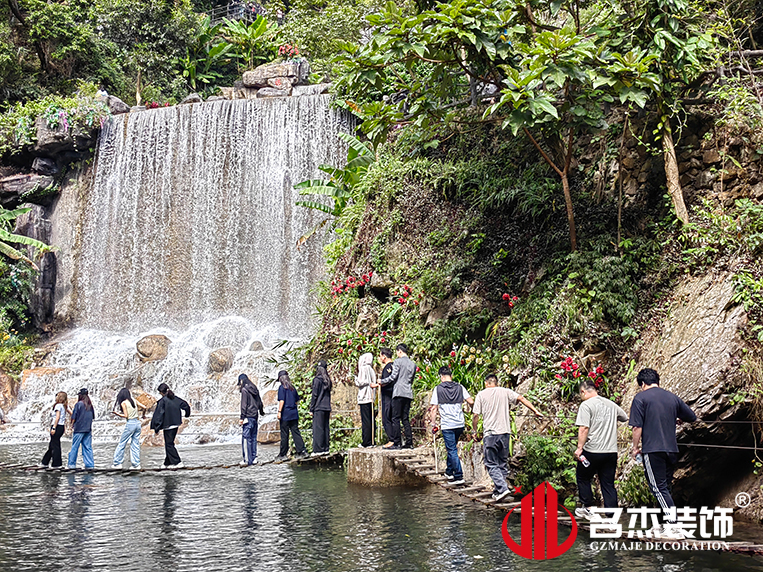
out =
column 267, row 518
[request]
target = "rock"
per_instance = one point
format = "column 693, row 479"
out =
column 704, row 180
column 296, row 70
column 215, row 98
column 368, row 320
column 153, row 347
column 52, row 140
column 45, row 166
column 116, row 105
column 696, row 350
column 757, row 191
column 629, row 161
column 256, row 346
column 228, row 92
column 316, row 89
column 711, row 156
column 16, row 187
column 269, row 432
column 9, row 392
column 191, row 98
column 270, row 398
column 137, row 108
column 271, row 92
column 231, row 333
column 284, row 83
column 144, row 401
column 221, row 360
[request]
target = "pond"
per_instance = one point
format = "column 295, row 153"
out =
column 272, row 517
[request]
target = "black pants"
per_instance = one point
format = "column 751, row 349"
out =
column 299, row 444
column 367, row 423
column 54, row 448
column 171, row 456
column 386, row 412
column 605, row 466
column 401, row 410
column 321, row 431
column 659, row 468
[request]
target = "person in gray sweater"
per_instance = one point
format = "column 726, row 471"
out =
column 402, row 374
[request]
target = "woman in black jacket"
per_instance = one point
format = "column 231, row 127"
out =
column 320, row 408
column 251, row 409
column 167, row 418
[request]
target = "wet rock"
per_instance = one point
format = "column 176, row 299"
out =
column 269, row 432
column 256, row 346
column 270, row 398
column 221, row 360
column 116, row 105
column 215, row 98
column 296, row 71
column 191, row 98
column 137, row 108
column 271, row 92
column 144, row 401
column 13, row 188
column 230, row 332
column 228, row 92
column 9, row 392
column 45, row 166
column 284, row 83
column 153, row 347
column 704, row 180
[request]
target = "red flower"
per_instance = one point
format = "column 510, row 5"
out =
column 370, row 273
column 515, row 298
column 382, row 340
column 511, row 304
column 462, row 362
column 401, row 300
column 506, row 296
column 349, row 342
column 341, row 351
column 418, row 368
column 558, row 376
column 452, row 354
column 384, row 333
column 416, row 302
column 365, row 277
column 592, row 374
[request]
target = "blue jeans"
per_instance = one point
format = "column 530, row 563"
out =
column 453, row 465
column 86, row 440
column 249, row 440
column 131, row 434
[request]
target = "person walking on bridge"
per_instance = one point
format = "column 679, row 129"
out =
column 494, row 404
column 57, row 426
column 597, row 447
column 168, row 418
column 448, row 398
column 288, row 418
column 125, row 407
column 403, row 371
column 82, row 427
column 251, row 409
column 654, row 414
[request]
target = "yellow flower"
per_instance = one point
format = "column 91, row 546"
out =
column 505, row 359
column 473, row 350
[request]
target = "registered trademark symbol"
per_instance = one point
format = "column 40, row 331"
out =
column 742, row 500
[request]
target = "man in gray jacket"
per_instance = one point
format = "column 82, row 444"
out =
column 402, row 374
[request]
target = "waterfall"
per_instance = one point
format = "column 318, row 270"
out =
column 189, row 230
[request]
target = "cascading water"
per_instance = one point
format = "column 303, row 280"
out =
column 189, row 231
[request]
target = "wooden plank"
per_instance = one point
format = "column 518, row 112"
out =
column 469, row 489
column 480, row 495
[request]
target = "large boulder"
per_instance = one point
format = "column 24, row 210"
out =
column 270, row 398
column 221, row 360
column 153, row 347
column 45, row 166
column 116, row 105
column 269, row 432
column 191, row 98
column 272, row 92
column 315, row 89
column 52, row 141
column 13, row 188
column 291, row 72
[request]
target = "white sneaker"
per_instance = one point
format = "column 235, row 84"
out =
column 672, row 532
column 242, row 463
column 499, row 496
column 583, row 512
column 450, row 477
column 116, row 466
column 458, row 482
column 654, row 532
column 43, row 466
column 164, row 466
column 135, row 468
column 71, row 467
column 180, row 465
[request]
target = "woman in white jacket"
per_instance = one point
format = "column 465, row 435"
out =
column 366, row 382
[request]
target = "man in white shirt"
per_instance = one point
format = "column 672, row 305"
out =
column 448, row 399
column 494, row 404
column 597, row 446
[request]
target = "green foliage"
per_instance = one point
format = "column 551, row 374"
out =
column 16, row 284
column 205, row 57
column 633, row 489
column 6, row 236
column 254, row 42
column 547, row 458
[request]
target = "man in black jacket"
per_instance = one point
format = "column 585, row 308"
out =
column 251, row 409
column 385, row 358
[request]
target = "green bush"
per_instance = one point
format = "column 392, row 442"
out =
column 550, row 459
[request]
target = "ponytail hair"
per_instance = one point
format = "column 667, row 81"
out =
column 165, row 390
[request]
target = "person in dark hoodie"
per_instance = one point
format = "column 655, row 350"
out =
column 448, row 399
column 320, row 408
column 82, row 426
column 251, row 409
column 288, row 418
column 167, row 418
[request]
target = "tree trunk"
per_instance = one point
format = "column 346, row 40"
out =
column 671, row 173
column 570, row 213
